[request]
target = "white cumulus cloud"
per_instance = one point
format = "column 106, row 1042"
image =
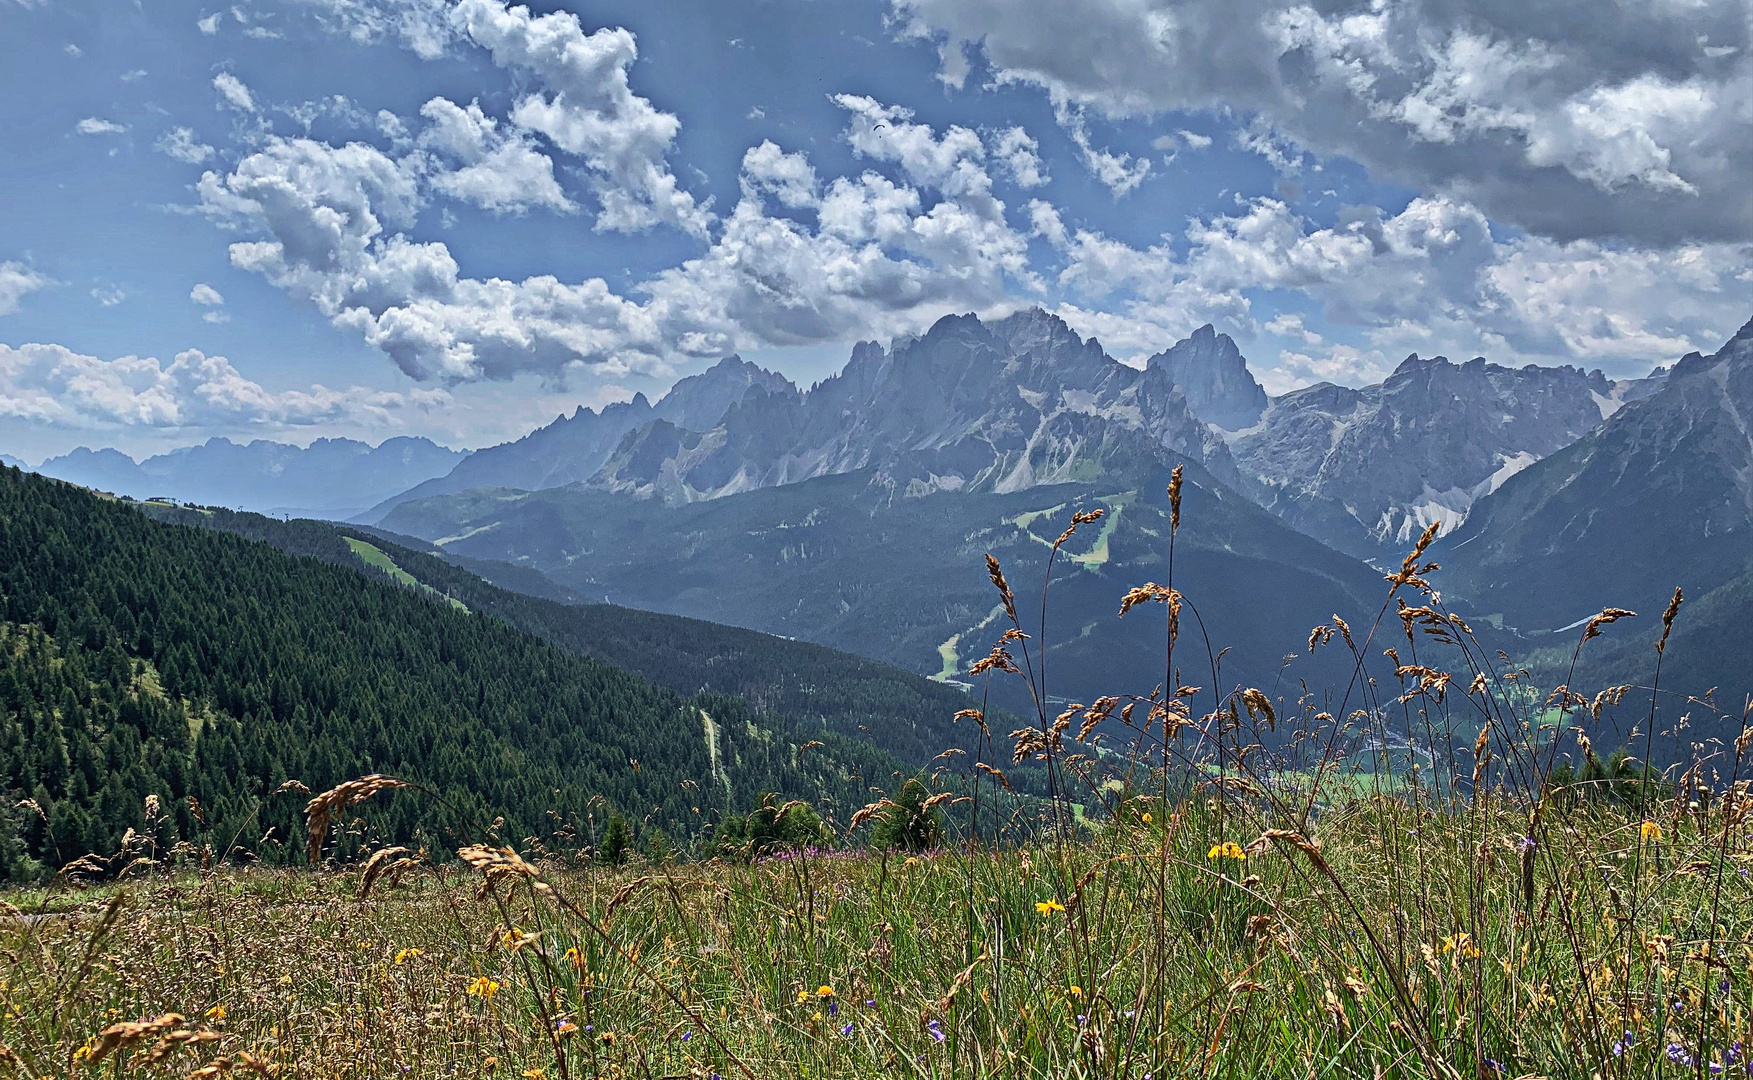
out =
column 587, row 108
column 16, row 281
column 180, row 143
column 497, row 170
column 235, row 93
column 331, row 225
column 96, row 125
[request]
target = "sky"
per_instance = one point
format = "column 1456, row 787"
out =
column 295, row 219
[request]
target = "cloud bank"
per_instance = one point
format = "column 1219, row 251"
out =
column 55, row 386
column 1591, row 119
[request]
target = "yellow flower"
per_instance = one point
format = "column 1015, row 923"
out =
column 816, row 1018
column 535, row 1074
column 511, row 937
column 483, row 987
column 1649, row 830
column 1229, row 849
column 803, row 996
column 217, row 1012
column 83, row 1052
column 575, row 958
column 824, row 991
column 1076, row 991
column 1048, row 907
column 1145, row 818
column 405, row 955
column 911, row 861
column 1461, row 945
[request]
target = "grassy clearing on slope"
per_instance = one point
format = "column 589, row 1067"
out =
column 374, row 556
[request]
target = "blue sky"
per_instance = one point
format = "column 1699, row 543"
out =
column 302, row 218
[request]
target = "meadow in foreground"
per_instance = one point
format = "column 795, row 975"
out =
column 1240, row 894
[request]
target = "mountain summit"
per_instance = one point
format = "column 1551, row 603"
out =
column 573, row 448
column 969, row 406
column 1368, row 469
column 1210, row 370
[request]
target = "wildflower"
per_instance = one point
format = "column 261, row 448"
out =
column 1678, row 1055
column 405, row 955
column 847, row 1030
column 511, row 937
column 833, row 1007
column 934, row 1031
column 870, row 1004
column 83, row 1052
column 816, row 1017
column 1076, row 991
column 483, row 987
column 1048, row 907
column 1494, row 1065
column 564, row 1027
column 217, row 1012
column 1649, row 830
column 535, row 1074
column 824, row 991
column 1461, row 945
column 686, row 1035
column 1229, row 849
column 911, row 861
column 574, row 957
column 1620, row 1046
column 1525, row 844
column 802, row 996
column 1145, row 817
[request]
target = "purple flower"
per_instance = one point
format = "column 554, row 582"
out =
column 1622, row 1045
column 1678, row 1055
column 833, row 1007
column 1082, row 1019
column 1527, row 843
column 847, row 1030
column 1494, row 1065
column 686, row 1035
column 934, row 1031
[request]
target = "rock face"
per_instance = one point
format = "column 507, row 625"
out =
column 1210, row 370
column 1366, row 470
column 970, row 406
column 329, row 478
column 1661, row 495
column 573, row 448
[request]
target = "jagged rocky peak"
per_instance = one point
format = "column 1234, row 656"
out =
column 968, row 405
column 699, row 402
column 1211, row 371
column 1367, row 469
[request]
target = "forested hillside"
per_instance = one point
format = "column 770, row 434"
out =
column 146, row 659
column 811, row 685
